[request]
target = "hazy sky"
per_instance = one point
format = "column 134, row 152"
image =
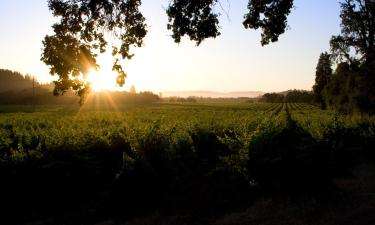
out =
column 235, row 61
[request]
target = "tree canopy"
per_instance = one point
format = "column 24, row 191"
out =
column 351, row 87
column 270, row 16
column 80, row 36
column 357, row 38
column 323, row 76
column 84, row 26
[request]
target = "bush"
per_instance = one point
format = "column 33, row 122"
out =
column 287, row 159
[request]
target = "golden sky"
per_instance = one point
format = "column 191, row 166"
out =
column 235, row 61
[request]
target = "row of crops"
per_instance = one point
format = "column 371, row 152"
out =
column 203, row 158
column 23, row 133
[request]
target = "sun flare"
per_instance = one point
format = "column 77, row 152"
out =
column 102, row 81
column 105, row 79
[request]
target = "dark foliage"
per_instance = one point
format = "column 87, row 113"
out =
column 270, row 16
column 357, row 32
column 351, row 88
column 185, row 180
column 298, row 96
column 59, row 183
column 349, row 145
column 339, row 92
column 288, row 97
column 80, row 35
column 195, row 19
column 272, row 98
column 323, row 75
column 289, row 160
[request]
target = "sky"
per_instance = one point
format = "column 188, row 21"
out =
column 234, row 61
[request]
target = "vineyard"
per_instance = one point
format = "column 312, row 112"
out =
column 201, row 159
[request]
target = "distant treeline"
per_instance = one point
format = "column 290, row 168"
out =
column 16, row 89
column 14, row 81
column 191, row 99
column 196, row 99
column 42, row 96
column 348, row 88
column 121, row 97
column 289, row 96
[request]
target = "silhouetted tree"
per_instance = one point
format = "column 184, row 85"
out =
column 357, row 38
column 195, row 19
column 288, row 96
column 270, row 16
column 79, row 35
column 272, row 98
column 338, row 92
column 352, row 87
column 298, row 96
column 365, row 88
column 323, row 75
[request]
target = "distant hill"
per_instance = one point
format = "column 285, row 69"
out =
column 213, row 94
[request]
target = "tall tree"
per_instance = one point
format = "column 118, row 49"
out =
column 340, row 91
column 356, row 46
column 357, row 38
column 322, row 77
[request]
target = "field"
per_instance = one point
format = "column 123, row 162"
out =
column 200, row 161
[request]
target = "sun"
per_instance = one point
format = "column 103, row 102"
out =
column 102, row 81
column 103, row 78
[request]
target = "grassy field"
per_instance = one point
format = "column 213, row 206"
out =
column 178, row 162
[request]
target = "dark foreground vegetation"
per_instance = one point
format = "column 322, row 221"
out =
column 249, row 163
